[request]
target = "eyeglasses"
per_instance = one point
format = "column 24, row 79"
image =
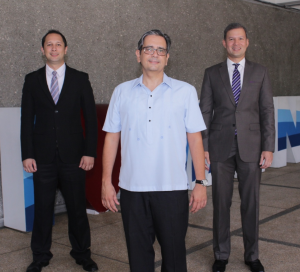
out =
column 159, row 51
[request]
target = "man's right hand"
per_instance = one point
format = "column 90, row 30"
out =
column 206, row 155
column 29, row 165
column 109, row 196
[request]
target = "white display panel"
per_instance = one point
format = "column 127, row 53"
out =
column 17, row 185
column 287, row 120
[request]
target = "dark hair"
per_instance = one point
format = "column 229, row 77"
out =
column 234, row 26
column 157, row 33
column 53, row 31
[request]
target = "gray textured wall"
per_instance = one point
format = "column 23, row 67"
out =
column 103, row 34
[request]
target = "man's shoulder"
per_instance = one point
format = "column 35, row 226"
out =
column 35, row 73
column 178, row 84
column 255, row 65
column 216, row 66
column 76, row 72
column 128, row 84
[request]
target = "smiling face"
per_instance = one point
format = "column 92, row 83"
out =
column 236, row 44
column 153, row 63
column 54, row 49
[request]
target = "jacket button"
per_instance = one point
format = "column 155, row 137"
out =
column 233, row 125
column 56, row 111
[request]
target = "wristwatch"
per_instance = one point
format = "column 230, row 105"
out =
column 203, row 182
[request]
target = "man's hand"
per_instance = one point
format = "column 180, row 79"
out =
column 266, row 156
column 87, row 163
column 29, row 165
column 206, row 155
column 198, row 198
column 109, row 196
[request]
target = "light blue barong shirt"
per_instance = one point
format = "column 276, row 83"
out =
column 153, row 129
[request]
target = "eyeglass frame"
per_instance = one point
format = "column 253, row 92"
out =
column 153, row 50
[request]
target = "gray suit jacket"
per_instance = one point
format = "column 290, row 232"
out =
column 253, row 117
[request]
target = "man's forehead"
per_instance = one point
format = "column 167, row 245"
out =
column 237, row 32
column 53, row 38
column 155, row 40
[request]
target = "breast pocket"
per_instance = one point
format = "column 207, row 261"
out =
column 254, row 126
column 216, row 126
column 76, row 130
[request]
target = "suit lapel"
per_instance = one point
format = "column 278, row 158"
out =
column 43, row 82
column 225, row 77
column 246, row 80
column 66, row 84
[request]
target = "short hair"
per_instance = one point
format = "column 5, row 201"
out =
column 155, row 32
column 234, row 26
column 53, row 31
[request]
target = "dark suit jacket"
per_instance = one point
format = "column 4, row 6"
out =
column 46, row 127
column 253, row 117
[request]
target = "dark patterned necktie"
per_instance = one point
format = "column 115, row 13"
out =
column 54, row 90
column 236, row 85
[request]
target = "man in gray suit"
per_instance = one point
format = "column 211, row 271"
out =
column 237, row 106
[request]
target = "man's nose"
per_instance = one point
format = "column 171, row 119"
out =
column 155, row 53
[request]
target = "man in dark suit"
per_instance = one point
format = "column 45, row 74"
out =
column 55, row 150
column 237, row 106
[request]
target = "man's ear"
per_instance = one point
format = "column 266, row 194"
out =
column 66, row 49
column 42, row 49
column 138, row 55
column 168, row 55
column 224, row 43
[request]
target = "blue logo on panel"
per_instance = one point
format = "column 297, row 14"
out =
column 286, row 127
column 29, row 200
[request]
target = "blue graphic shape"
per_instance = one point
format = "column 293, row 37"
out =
column 29, row 215
column 29, row 200
column 28, row 191
column 286, row 127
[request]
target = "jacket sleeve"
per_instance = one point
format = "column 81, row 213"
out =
column 206, row 107
column 27, row 121
column 267, row 119
column 90, row 117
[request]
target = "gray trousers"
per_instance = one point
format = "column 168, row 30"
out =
column 249, row 176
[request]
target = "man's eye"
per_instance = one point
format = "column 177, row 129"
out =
column 160, row 50
column 149, row 49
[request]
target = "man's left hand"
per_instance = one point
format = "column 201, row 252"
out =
column 87, row 163
column 198, row 198
column 266, row 156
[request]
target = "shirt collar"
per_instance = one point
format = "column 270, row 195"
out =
column 230, row 62
column 166, row 80
column 60, row 71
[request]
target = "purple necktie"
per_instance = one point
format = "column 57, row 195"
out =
column 236, row 85
column 54, row 90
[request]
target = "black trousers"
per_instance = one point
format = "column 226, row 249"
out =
column 161, row 214
column 71, row 181
column 249, row 176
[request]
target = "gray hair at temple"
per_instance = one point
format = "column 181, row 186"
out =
column 234, row 26
column 155, row 32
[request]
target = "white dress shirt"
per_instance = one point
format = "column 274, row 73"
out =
column 153, row 129
column 60, row 76
column 231, row 68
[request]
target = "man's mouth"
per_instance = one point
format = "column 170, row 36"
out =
column 154, row 61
